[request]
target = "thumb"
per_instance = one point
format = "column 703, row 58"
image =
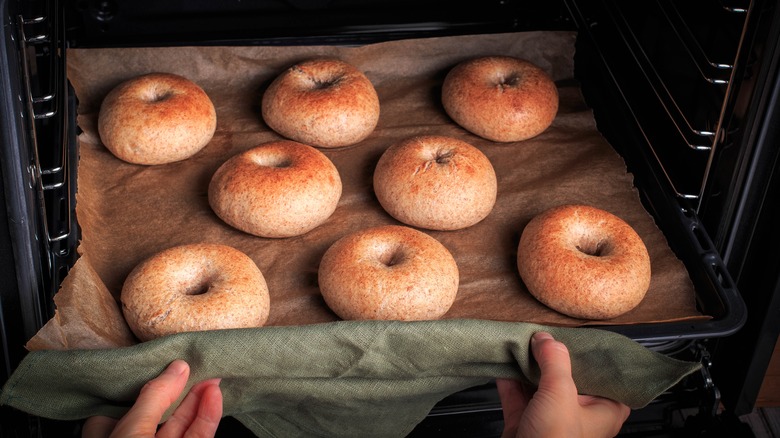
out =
column 555, row 365
column 152, row 402
column 98, row 427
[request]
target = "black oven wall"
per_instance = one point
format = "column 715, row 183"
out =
column 116, row 23
column 731, row 194
column 21, row 308
column 742, row 213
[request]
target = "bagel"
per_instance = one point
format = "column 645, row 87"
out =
column 156, row 118
column 435, row 182
column 584, row 262
column 500, row 98
column 388, row 272
column 323, row 103
column 194, row 287
column 278, row 189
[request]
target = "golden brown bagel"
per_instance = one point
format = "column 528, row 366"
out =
column 156, row 118
column 323, row 102
column 500, row 98
column 194, row 287
column 583, row 262
column 388, row 272
column 435, row 182
column 277, row 189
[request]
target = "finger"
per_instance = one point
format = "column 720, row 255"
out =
column 187, row 411
column 154, row 399
column 605, row 416
column 98, row 427
column 513, row 402
column 209, row 413
column 554, row 363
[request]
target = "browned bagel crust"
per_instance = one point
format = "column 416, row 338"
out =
column 322, row 102
column 435, row 182
column 500, row 98
column 388, row 272
column 278, row 189
column 156, row 118
column 194, row 287
column 584, row 262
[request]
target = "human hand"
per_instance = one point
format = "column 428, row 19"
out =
column 554, row 409
column 198, row 415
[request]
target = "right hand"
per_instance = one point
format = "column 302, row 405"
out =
column 555, row 409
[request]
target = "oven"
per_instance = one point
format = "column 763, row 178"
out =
column 686, row 92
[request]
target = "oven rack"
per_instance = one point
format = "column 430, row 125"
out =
column 627, row 112
column 698, row 73
column 48, row 109
column 694, row 137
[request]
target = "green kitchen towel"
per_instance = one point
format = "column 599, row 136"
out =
column 349, row 378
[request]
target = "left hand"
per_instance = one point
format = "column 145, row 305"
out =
column 198, row 415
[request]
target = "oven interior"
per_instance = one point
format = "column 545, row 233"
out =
column 670, row 84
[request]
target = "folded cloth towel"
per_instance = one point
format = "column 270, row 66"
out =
column 350, row 378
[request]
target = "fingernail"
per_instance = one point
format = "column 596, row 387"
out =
column 177, row 367
column 540, row 336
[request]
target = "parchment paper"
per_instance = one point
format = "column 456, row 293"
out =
column 129, row 212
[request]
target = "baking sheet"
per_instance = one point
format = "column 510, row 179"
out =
column 129, row 212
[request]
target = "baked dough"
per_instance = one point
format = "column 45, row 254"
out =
column 156, row 118
column 500, row 98
column 584, row 262
column 435, row 182
column 194, row 287
column 323, row 103
column 388, row 272
column 278, row 189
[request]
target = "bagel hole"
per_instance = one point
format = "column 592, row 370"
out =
column 200, row 288
column 444, row 156
column 509, row 81
column 594, row 249
column 392, row 257
column 316, row 82
column 157, row 96
column 275, row 161
column 321, row 84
